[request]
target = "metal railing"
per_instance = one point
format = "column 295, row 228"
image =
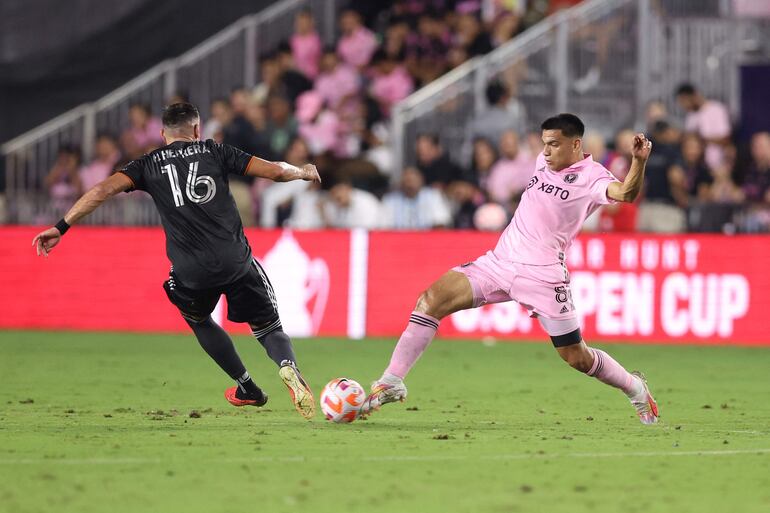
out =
column 210, row 70
column 604, row 60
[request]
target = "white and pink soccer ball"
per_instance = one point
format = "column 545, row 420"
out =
column 340, row 400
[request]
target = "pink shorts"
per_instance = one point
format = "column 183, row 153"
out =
column 542, row 289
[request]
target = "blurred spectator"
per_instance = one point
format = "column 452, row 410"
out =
column 318, row 126
column 220, row 117
column 426, row 49
column 281, row 126
column 358, row 43
column 722, row 188
column 483, row 158
column 414, row 206
column 63, row 181
column 239, row 101
column 374, row 135
column 503, row 113
column 465, row 198
column 391, row 82
column 338, row 84
column 277, row 199
column 510, row 175
column 505, row 28
column 143, row 133
column 615, row 217
column 756, row 183
column 292, row 82
column 306, row 44
column 236, row 130
column 665, row 193
column 709, row 119
column 656, row 111
column 692, row 167
column 471, row 37
column 270, row 75
column 433, row 163
column 106, row 157
column 347, row 207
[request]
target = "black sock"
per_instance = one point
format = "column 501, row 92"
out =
column 217, row 343
column 278, row 347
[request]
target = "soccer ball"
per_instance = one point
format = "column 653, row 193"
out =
column 340, row 400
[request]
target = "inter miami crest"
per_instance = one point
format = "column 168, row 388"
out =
column 570, row 178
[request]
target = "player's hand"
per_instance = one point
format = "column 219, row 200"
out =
column 642, row 147
column 310, row 173
column 45, row 241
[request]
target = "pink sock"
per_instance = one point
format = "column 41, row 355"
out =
column 608, row 371
column 415, row 338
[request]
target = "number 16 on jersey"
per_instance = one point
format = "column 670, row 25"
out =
column 193, row 181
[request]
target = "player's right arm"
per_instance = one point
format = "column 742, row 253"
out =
column 45, row 241
column 281, row 171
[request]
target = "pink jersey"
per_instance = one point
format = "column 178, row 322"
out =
column 552, row 211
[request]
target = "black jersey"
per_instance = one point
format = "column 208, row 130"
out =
column 189, row 183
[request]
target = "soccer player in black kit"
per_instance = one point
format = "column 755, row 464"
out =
column 209, row 253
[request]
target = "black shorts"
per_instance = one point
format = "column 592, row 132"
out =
column 250, row 298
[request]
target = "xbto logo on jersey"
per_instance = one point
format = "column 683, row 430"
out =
column 554, row 190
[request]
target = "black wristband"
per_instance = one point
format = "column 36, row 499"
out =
column 62, row 226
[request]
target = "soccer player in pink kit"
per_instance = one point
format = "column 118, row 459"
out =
column 528, row 266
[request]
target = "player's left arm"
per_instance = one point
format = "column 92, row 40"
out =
column 45, row 241
column 281, row 171
column 628, row 190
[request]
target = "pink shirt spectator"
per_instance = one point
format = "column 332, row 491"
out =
column 148, row 136
column 392, row 88
column 334, row 86
column 320, row 128
column 357, row 49
column 509, row 177
column 552, row 211
column 711, row 121
column 96, row 171
column 306, row 50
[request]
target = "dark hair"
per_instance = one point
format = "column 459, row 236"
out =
column 179, row 114
column 569, row 124
column 685, row 88
column 70, row 149
column 495, row 92
column 660, row 126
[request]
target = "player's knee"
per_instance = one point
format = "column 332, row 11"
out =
column 431, row 303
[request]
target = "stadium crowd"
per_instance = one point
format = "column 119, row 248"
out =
column 332, row 106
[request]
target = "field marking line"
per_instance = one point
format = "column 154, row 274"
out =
column 395, row 458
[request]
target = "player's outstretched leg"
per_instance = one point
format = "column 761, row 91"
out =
column 216, row 342
column 279, row 349
column 451, row 293
column 598, row 364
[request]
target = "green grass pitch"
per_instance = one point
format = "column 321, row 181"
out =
column 101, row 423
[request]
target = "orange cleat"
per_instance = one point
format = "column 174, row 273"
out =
column 232, row 398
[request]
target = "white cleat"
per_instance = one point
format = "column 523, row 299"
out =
column 385, row 390
column 645, row 405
